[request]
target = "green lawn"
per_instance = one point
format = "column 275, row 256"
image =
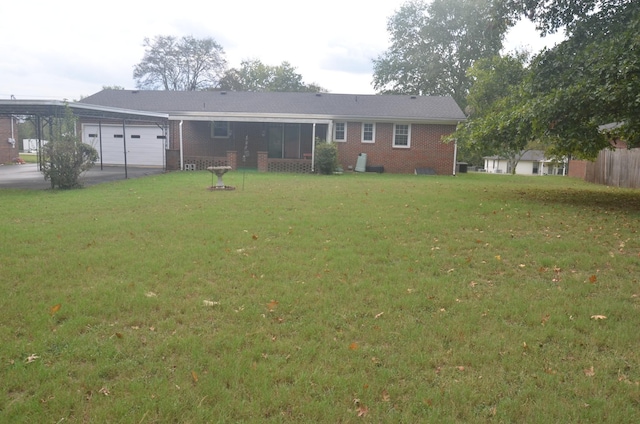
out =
column 300, row 298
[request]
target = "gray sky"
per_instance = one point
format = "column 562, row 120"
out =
column 66, row 49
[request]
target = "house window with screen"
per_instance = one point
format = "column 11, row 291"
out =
column 368, row 132
column 402, row 135
column 220, row 129
column 340, row 131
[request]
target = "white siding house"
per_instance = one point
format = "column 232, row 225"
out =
column 532, row 162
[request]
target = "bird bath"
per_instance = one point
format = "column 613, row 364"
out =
column 219, row 171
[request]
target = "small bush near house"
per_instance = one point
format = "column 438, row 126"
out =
column 66, row 157
column 326, row 157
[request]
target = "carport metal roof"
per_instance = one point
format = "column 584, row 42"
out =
column 46, row 108
column 55, row 108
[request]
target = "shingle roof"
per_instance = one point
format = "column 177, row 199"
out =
column 325, row 105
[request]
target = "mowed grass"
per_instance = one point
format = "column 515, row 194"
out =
column 353, row 298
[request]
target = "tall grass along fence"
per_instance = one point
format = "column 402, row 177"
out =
column 620, row 168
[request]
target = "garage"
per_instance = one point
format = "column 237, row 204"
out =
column 144, row 144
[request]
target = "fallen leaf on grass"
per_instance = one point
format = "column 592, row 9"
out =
column 210, row 303
column 362, row 411
column 150, row 294
column 194, row 376
column 54, row 309
column 31, row 358
column 379, row 315
column 589, row 372
column 354, row 346
column 545, row 319
column 598, row 317
column 104, row 391
column 593, row 279
column 385, row 396
column 272, row 305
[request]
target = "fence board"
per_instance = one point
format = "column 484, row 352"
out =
column 619, row 168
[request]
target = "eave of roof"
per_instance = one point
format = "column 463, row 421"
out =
column 57, row 108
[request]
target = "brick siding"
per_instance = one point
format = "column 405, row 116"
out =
column 8, row 152
column 426, row 149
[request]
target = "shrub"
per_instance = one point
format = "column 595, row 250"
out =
column 326, row 157
column 65, row 157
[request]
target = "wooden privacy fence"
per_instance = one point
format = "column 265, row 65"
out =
column 619, row 168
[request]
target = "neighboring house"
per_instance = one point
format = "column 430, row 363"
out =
column 532, row 162
column 8, row 147
column 274, row 131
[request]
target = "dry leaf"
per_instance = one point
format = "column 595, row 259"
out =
column 362, row 411
column 150, row 294
column 194, row 376
column 460, row 368
column 31, row 358
column 379, row 315
column 255, row 237
column 119, row 335
column 385, row 396
column 589, row 372
column 54, row 309
column 597, row 317
column 545, row 319
column 272, row 305
column 354, row 346
column 210, row 303
column 593, row 279
column 104, row 391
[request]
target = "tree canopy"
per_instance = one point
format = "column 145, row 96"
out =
column 253, row 75
column 567, row 92
column 433, row 45
column 185, row 64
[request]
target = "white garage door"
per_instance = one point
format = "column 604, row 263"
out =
column 145, row 144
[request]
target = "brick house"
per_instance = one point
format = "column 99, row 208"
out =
column 8, row 135
column 274, row 131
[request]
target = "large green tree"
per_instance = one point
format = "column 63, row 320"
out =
column 591, row 79
column 185, row 64
column 253, row 75
column 500, row 117
column 433, row 44
column 571, row 90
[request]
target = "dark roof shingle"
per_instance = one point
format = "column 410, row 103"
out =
column 326, row 105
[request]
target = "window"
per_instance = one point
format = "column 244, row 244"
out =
column 402, row 135
column 368, row 132
column 340, row 131
column 220, row 129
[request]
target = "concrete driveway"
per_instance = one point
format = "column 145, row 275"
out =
column 27, row 176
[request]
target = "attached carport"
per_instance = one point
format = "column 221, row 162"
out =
column 121, row 136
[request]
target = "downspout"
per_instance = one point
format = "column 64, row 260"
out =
column 313, row 148
column 455, row 156
column 181, row 150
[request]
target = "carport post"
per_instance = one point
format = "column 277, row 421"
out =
column 124, row 143
column 100, row 138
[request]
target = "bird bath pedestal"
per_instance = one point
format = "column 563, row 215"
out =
column 219, row 171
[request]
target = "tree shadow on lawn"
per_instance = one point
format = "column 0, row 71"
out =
column 605, row 199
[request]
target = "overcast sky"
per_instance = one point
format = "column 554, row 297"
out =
column 66, row 49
